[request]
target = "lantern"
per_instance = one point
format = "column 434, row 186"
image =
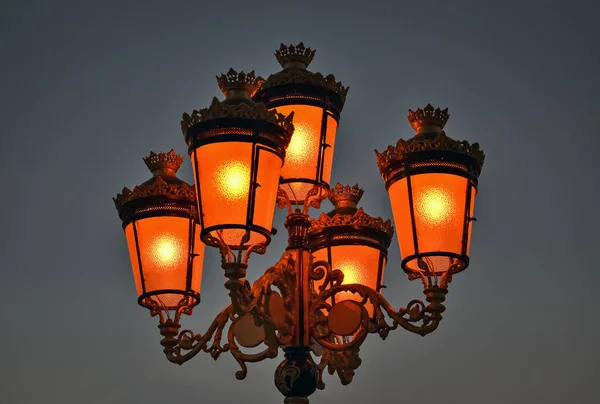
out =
column 352, row 241
column 316, row 102
column 237, row 149
column 162, row 230
column 432, row 182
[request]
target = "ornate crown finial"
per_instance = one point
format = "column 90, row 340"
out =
column 163, row 161
column 291, row 55
column 428, row 117
column 242, row 82
column 419, row 144
column 164, row 182
column 345, row 196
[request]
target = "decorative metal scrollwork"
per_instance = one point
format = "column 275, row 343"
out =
column 188, row 344
column 270, row 303
column 341, row 353
column 313, row 198
column 256, row 301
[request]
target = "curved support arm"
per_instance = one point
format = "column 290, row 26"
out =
column 244, row 297
column 428, row 316
column 341, row 352
column 255, row 299
column 269, row 310
column 175, row 342
column 258, row 301
column 180, row 347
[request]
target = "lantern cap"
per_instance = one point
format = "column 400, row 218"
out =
column 239, row 85
column 295, row 59
column 238, row 88
column 357, row 220
column 163, row 183
column 345, row 196
column 439, row 142
column 243, row 110
column 158, row 187
column 294, row 56
column 161, row 162
column 428, row 119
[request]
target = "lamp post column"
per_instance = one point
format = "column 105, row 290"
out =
column 296, row 377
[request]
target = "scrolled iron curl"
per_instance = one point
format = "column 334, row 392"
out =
column 415, row 312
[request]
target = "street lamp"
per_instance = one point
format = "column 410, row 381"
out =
column 162, row 231
column 271, row 142
column 316, row 102
column 237, row 149
column 432, row 182
column 350, row 240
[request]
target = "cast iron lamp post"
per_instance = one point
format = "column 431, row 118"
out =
column 271, row 142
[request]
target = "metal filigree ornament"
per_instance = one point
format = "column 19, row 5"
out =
column 295, row 59
column 309, row 303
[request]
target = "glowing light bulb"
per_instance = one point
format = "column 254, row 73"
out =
column 435, row 205
column 233, row 179
column 166, row 250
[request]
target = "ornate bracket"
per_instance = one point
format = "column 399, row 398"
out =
column 264, row 312
column 341, row 353
column 183, row 346
column 258, row 314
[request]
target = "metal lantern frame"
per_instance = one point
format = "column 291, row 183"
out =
column 433, row 152
column 295, row 85
column 162, row 196
column 349, row 226
column 237, row 120
column 283, row 310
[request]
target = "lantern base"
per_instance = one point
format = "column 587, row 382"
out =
column 428, row 263
column 298, row 189
column 169, row 299
column 236, row 237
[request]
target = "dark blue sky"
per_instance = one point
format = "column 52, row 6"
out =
column 89, row 88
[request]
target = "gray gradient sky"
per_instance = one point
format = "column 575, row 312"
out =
column 89, row 88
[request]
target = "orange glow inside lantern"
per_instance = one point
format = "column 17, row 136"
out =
column 160, row 249
column 359, row 264
column 230, row 203
column 237, row 147
column 432, row 210
column 163, row 236
column 432, row 183
column 307, row 160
